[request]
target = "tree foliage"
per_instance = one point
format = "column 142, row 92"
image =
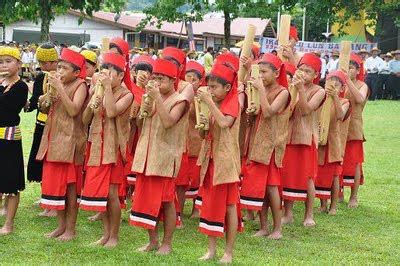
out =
column 46, row 10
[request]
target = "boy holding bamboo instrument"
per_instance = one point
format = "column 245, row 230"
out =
column 62, row 168
column 261, row 173
column 219, row 159
column 330, row 155
column 108, row 116
column 300, row 161
column 157, row 158
column 357, row 93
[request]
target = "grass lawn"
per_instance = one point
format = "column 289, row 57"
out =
column 369, row 234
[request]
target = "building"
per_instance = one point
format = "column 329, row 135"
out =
column 66, row 29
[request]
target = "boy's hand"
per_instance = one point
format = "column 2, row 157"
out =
column 205, row 96
column 105, row 78
column 55, row 81
column 245, row 61
column 258, row 84
column 331, row 91
column 154, row 90
column 298, row 81
column 142, row 78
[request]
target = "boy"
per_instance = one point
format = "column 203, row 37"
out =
column 330, row 156
column 300, row 161
column 91, row 62
column 219, row 159
column 62, row 168
column 108, row 139
column 157, row 157
column 357, row 93
column 261, row 174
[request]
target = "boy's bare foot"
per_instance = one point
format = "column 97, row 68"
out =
column 287, row 219
column 56, row 233
column 149, row 247
column 164, row 250
column 97, row 217
column 332, row 211
column 111, row 243
column 6, row 230
column 309, row 222
column 67, row 236
column 208, row 256
column 353, row 203
column 261, row 232
column 275, row 235
column 101, row 241
column 226, row 259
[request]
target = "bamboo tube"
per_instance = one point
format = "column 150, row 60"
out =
column 98, row 93
column 201, row 108
column 3, row 73
column 253, row 95
column 246, row 50
column 283, row 35
column 146, row 99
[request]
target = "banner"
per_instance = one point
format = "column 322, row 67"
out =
column 269, row 44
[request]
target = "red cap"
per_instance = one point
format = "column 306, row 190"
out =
column 76, row 59
column 124, row 47
column 143, row 59
column 358, row 60
column 228, row 58
column 290, row 68
column 312, row 61
column 229, row 105
column 114, row 59
column 121, row 44
column 165, row 67
column 339, row 74
column 256, row 51
column 293, row 33
column 278, row 64
column 194, row 66
column 179, row 56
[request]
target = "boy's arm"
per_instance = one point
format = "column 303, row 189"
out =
column 73, row 106
column 170, row 118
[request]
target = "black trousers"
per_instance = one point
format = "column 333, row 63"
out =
column 383, row 91
column 372, row 81
column 393, row 85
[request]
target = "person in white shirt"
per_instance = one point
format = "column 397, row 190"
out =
column 372, row 65
column 333, row 62
column 384, row 73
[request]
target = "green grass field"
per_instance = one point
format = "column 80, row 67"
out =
column 369, row 234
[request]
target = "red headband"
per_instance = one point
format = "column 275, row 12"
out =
column 124, row 47
column 165, row 67
column 114, row 59
column 290, row 68
column 179, row 56
column 358, row 60
column 143, row 59
column 228, row 58
column 230, row 104
column 194, row 66
column 339, row 74
column 314, row 62
column 256, row 51
column 293, row 33
column 278, row 64
column 76, row 59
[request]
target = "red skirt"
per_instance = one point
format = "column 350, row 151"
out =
column 56, row 177
column 256, row 178
column 183, row 176
column 300, row 163
column 324, row 180
column 150, row 193
column 353, row 156
column 215, row 200
column 194, row 177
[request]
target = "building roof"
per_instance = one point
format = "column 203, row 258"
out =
column 209, row 26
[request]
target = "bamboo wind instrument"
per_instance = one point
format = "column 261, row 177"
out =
column 201, row 108
column 3, row 74
column 253, row 95
column 48, row 90
column 146, row 99
column 344, row 59
column 98, row 93
column 293, row 90
column 141, row 73
column 246, row 49
column 283, row 35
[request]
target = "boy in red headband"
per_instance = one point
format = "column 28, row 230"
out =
column 157, row 158
column 357, row 93
column 261, row 174
column 108, row 139
column 330, row 156
column 195, row 75
column 290, row 71
column 178, row 57
column 219, row 159
column 62, row 167
column 288, row 50
column 300, row 163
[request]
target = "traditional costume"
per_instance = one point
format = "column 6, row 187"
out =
column 300, row 161
column 63, row 143
column 219, row 159
column 157, row 158
column 266, row 146
column 12, row 101
column 107, row 143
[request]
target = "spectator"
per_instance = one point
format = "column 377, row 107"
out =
column 208, row 60
column 333, row 62
column 384, row 73
column 372, row 65
column 394, row 78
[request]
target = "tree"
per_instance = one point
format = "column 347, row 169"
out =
column 46, row 10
